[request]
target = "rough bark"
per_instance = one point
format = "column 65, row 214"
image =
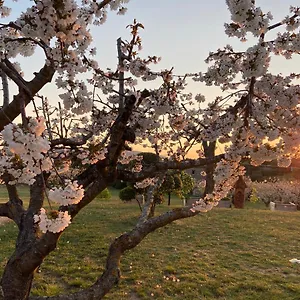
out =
column 18, row 273
column 209, row 152
column 15, row 284
column 5, row 88
column 13, row 208
column 152, row 210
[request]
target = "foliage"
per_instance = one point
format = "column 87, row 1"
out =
column 149, row 158
column 188, row 184
column 180, row 184
column 105, row 194
column 127, row 194
column 171, row 183
column 253, row 195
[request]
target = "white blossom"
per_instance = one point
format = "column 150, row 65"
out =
column 57, row 223
column 72, row 193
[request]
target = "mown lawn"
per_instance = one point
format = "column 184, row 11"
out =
column 224, row 254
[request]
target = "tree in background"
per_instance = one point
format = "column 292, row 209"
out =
column 105, row 112
column 180, row 184
column 170, row 184
column 127, row 194
column 188, row 185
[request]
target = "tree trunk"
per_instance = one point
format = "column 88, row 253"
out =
column 209, row 186
column 16, row 285
column 209, row 152
column 169, row 199
column 27, row 257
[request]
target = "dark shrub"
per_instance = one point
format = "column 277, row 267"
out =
column 119, row 185
column 127, row 193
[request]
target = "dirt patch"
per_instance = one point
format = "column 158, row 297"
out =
column 134, row 296
column 3, row 220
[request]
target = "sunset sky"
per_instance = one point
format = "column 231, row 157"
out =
column 181, row 32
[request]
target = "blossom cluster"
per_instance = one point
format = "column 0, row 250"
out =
column 282, row 191
column 72, row 193
column 25, row 147
column 145, row 183
column 57, row 222
column 88, row 157
column 127, row 157
column 24, row 156
column 246, row 18
column 203, row 205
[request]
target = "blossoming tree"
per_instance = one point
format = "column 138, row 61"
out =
column 105, row 112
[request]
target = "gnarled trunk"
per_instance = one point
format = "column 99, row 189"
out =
column 28, row 256
column 16, row 285
column 19, row 271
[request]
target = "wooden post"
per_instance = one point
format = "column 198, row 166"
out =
column 239, row 193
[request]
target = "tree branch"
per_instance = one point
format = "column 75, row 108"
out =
column 149, row 200
column 12, row 212
column 89, row 195
column 165, row 165
column 9, row 113
column 15, row 204
column 17, row 79
column 5, row 211
column 120, row 132
column 121, row 74
column 72, row 141
column 5, row 88
column 37, row 194
column 281, row 23
column 103, row 3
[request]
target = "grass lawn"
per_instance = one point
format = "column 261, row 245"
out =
column 224, row 254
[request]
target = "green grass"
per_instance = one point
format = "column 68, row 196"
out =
column 224, row 254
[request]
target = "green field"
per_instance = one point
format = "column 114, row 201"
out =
column 224, row 254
